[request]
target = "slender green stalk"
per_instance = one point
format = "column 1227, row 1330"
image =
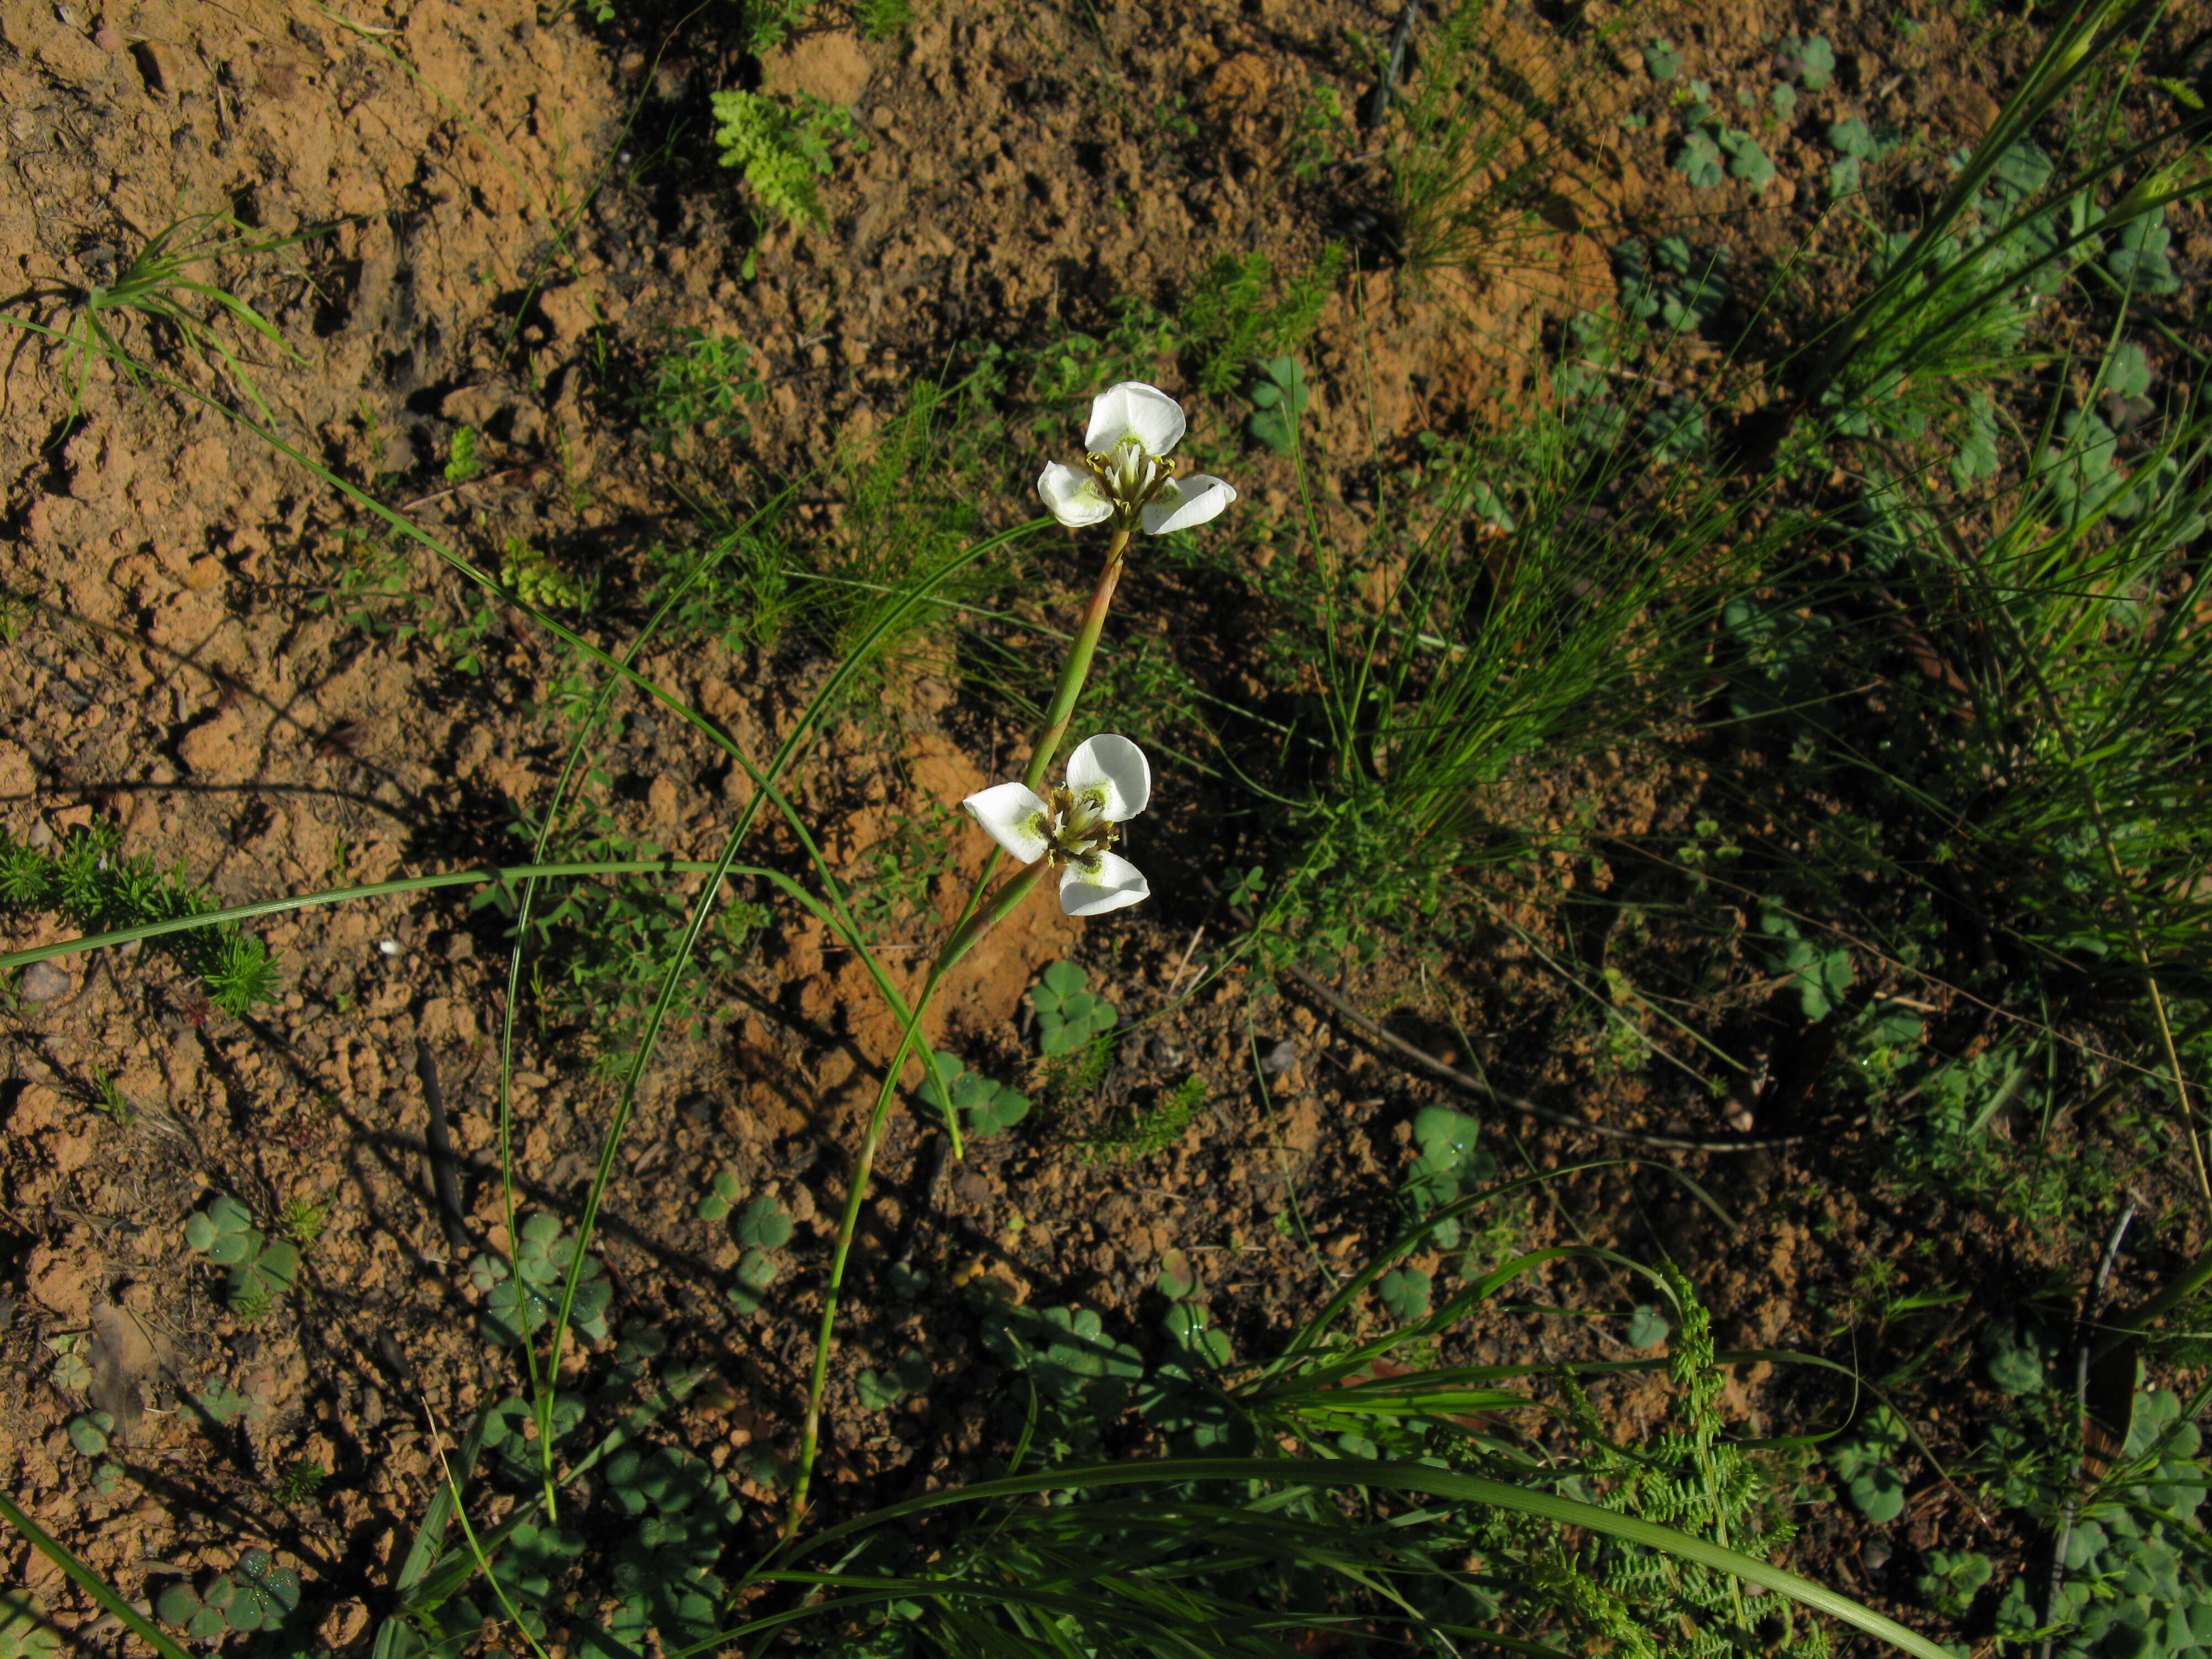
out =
column 1077, row 668
column 88, row 1581
column 977, row 918
column 513, row 872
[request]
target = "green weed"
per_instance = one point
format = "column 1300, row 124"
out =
column 90, row 880
column 1148, row 1131
column 783, row 147
column 154, row 288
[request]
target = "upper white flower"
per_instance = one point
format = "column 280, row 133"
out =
column 1125, row 474
column 1108, row 781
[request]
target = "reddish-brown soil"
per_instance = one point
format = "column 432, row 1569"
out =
column 482, row 234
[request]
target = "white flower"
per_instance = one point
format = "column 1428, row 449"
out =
column 1108, row 781
column 1125, row 474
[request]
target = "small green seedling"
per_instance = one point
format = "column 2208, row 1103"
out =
column 1821, row 977
column 1278, row 395
column 24, row 1632
column 1178, row 1279
column 748, row 1287
column 1065, row 1351
column 303, row 1220
column 299, row 1482
column 1449, row 1161
column 89, row 1432
column 255, row 1595
column 510, row 1430
column 2020, row 1357
column 262, row 1269
column 1663, row 61
column 987, row 1109
column 220, row 1405
column 721, row 1194
column 72, row 1373
column 1188, row 1323
column 1952, row 1579
column 1069, row 1014
column 1811, row 61
column 879, row 1393
column 1863, row 1460
column 462, row 461
column 1405, row 1292
column 524, row 1298
column 764, row 1226
column 1648, row 1327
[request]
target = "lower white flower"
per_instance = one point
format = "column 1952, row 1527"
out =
column 1074, row 829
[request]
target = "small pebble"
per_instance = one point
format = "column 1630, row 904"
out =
column 44, row 983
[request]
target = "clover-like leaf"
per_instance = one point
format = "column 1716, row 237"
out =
column 756, row 1273
column 223, row 1232
column 764, row 1225
column 1700, row 160
column 2018, row 1357
column 880, row 1392
column 1059, row 981
column 721, row 1196
column 1178, row 1278
column 1405, row 1291
column 179, row 1605
column 266, row 1592
column 1647, row 1326
column 1746, row 160
column 1879, row 1495
column 89, row 1431
column 72, row 1372
column 1811, row 60
column 25, row 1630
column 1191, row 1327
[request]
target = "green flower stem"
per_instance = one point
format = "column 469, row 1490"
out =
column 1077, row 669
column 977, row 918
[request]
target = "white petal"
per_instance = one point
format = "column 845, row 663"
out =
column 1134, row 410
column 1012, row 816
column 1183, row 502
column 1116, row 768
column 1074, row 496
column 1108, row 882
